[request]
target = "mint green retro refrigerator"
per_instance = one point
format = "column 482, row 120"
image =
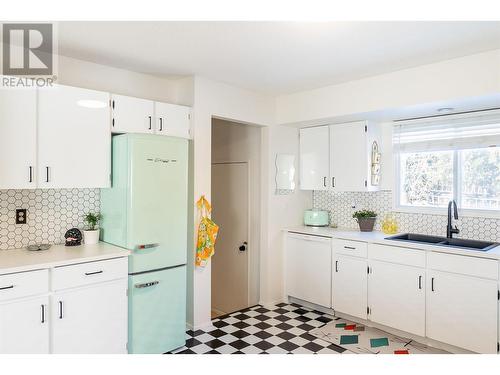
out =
column 145, row 211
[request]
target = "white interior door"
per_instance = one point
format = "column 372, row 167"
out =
column 24, row 326
column 230, row 212
column 396, row 296
column 348, row 156
column 17, row 138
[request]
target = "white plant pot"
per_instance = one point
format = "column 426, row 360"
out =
column 91, row 237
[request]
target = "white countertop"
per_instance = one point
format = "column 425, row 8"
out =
column 19, row 260
column 379, row 238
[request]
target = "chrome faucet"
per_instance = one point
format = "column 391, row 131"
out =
column 449, row 229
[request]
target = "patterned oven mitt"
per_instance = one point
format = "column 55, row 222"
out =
column 207, row 233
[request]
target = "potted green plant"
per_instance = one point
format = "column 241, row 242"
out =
column 91, row 234
column 365, row 219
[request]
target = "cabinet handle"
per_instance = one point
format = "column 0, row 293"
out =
column 349, row 247
column 31, row 174
column 93, row 273
column 161, row 124
column 420, row 282
column 61, row 310
column 113, row 123
column 333, row 181
column 46, row 174
column 149, row 122
column 43, row 313
column 432, row 284
column 336, row 266
column 7, row 287
column 113, row 104
column 324, row 181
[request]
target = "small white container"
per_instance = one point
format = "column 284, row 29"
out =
column 91, row 237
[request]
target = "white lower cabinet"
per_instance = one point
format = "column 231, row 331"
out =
column 90, row 320
column 396, row 296
column 462, row 311
column 308, row 268
column 24, row 326
column 349, row 285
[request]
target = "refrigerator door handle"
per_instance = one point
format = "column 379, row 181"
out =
column 146, row 285
column 147, row 246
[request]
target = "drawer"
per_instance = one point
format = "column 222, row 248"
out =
column 348, row 247
column 24, row 284
column 465, row 265
column 89, row 273
column 395, row 254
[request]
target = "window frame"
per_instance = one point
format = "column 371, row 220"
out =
column 457, row 193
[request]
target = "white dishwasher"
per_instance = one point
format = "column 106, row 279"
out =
column 308, row 260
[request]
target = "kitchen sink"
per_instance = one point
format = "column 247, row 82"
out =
column 443, row 241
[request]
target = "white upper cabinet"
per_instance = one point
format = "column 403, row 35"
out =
column 132, row 115
column 17, row 138
column 172, row 120
column 314, row 158
column 338, row 157
column 74, row 138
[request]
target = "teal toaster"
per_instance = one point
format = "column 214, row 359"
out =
column 316, row 218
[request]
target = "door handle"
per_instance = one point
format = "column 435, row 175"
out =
column 43, row 313
column 146, row 285
column 46, row 174
column 146, row 246
column 336, row 266
column 420, row 282
column 31, row 174
column 149, row 122
column 243, row 247
column 324, row 181
column 61, row 312
column 432, row 284
column 161, row 124
column 333, row 181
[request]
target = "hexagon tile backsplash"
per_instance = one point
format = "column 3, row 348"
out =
column 51, row 212
column 340, row 207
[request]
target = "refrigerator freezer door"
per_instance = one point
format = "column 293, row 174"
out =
column 158, row 201
column 157, row 311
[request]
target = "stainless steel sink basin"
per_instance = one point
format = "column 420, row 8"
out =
column 443, row 241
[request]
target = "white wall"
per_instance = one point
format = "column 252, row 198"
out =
column 233, row 142
column 465, row 77
column 214, row 99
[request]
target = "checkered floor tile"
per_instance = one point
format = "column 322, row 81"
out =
column 281, row 329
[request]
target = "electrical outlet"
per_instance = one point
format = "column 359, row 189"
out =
column 21, row 216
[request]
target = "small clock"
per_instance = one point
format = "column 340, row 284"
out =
column 73, row 237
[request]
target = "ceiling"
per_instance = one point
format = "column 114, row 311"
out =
column 274, row 57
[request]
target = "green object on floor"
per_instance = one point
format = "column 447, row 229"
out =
column 340, row 325
column 375, row 343
column 348, row 339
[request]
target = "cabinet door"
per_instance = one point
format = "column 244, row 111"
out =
column 349, row 285
column 172, row 120
column 132, row 115
column 17, row 138
column 24, row 327
column 308, row 268
column 396, row 296
column 74, row 139
column 462, row 311
column 348, row 156
column 314, row 158
column 90, row 320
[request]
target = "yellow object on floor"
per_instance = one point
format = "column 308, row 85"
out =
column 207, row 233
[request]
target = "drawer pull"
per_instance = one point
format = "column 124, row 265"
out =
column 43, row 313
column 7, row 287
column 93, row 273
column 61, row 315
column 349, row 247
column 147, row 246
column 146, row 285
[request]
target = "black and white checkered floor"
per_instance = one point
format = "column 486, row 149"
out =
column 280, row 329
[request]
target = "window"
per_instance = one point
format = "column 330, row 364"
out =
column 449, row 157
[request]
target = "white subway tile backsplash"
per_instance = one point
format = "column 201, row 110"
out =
column 340, row 207
column 51, row 212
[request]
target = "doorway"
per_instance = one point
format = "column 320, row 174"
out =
column 236, row 209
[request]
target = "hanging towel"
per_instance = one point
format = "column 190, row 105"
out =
column 207, row 233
